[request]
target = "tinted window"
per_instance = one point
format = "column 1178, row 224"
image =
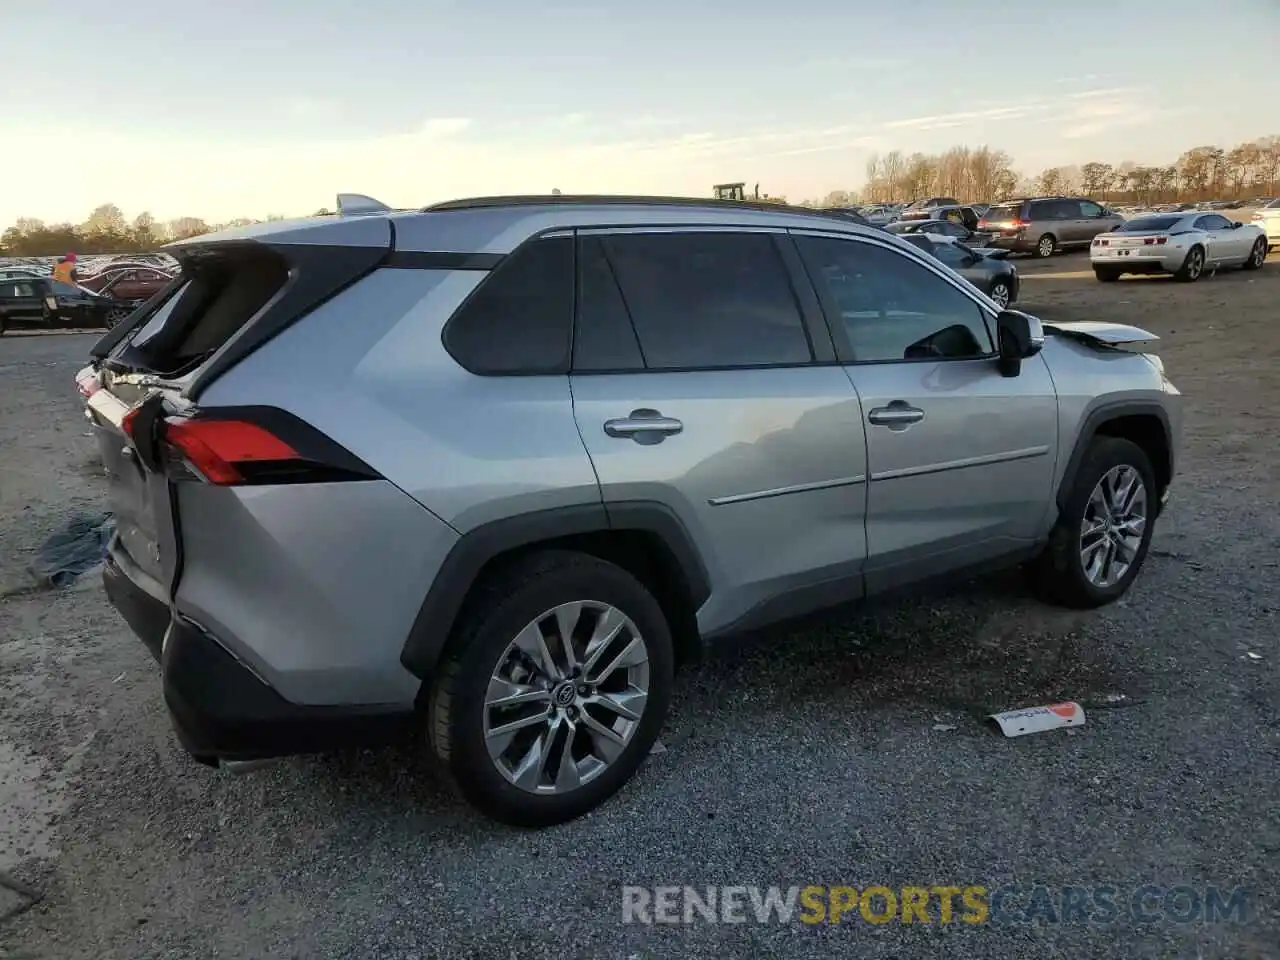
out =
column 1217, row 222
column 954, row 230
column 892, row 307
column 1043, row 210
column 1067, row 209
column 708, row 299
column 1148, row 224
column 519, row 319
column 1090, row 209
column 603, row 337
column 921, row 241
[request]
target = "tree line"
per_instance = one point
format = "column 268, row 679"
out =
column 973, row 174
column 982, row 174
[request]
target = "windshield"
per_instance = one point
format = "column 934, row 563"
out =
column 1148, row 224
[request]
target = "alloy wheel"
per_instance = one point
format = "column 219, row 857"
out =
column 1046, row 246
column 1115, row 520
column 1000, row 294
column 1195, row 263
column 115, row 315
column 1259, row 253
column 566, row 697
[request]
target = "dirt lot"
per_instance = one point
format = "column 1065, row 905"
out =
column 813, row 761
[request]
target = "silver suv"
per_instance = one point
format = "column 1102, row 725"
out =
column 490, row 470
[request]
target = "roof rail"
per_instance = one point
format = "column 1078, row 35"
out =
column 358, row 205
column 532, row 200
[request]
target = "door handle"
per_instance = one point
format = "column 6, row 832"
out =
column 898, row 415
column 643, row 426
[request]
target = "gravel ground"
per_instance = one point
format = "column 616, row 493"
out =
column 814, row 761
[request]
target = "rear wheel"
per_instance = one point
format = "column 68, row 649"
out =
column 114, row 316
column 1106, row 274
column 1103, row 532
column 1046, row 245
column 554, row 689
column 1192, row 266
column 1257, row 256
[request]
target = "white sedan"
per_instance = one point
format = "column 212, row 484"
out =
column 1268, row 219
column 1183, row 244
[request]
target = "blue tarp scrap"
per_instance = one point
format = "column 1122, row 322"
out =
column 79, row 546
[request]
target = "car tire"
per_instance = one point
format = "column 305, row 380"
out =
column 1063, row 573
column 1001, row 293
column 1192, row 267
column 1046, row 246
column 527, row 596
column 1106, row 276
column 1257, row 256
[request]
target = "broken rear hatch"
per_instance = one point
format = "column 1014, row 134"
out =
column 235, row 292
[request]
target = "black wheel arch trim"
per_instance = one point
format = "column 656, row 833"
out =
column 440, row 608
column 1095, row 418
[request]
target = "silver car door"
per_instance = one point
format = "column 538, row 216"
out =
column 961, row 458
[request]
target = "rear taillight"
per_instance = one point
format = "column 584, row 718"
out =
column 221, row 450
column 1019, row 224
column 257, row 445
column 1102, row 241
column 1154, row 241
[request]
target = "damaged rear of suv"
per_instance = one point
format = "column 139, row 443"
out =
column 489, row 470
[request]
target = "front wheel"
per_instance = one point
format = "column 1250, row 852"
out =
column 1046, row 245
column 1100, row 541
column 554, row 689
column 1257, row 256
column 1000, row 293
column 1106, row 275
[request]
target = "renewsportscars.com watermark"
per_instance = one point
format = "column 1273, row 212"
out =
column 970, row 904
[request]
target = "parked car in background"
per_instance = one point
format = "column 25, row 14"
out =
column 610, row 438
column 20, row 273
column 927, row 203
column 945, row 228
column 988, row 270
column 1045, row 225
column 42, row 301
column 960, row 213
column 1183, row 244
column 852, row 214
column 127, row 282
column 1267, row 219
column 879, row 214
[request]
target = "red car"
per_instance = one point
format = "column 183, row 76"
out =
column 127, row 283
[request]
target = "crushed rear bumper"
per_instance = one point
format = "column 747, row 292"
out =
column 222, row 710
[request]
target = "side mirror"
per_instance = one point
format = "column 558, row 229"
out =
column 1019, row 336
column 1236, row 224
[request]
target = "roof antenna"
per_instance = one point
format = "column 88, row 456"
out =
column 358, row 205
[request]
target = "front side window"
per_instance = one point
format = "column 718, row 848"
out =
column 708, row 300
column 519, row 320
column 891, row 307
column 1090, row 209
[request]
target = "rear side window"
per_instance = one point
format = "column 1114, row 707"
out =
column 604, row 338
column 520, row 318
column 708, row 300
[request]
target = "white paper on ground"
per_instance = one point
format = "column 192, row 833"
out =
column 1017, row 723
